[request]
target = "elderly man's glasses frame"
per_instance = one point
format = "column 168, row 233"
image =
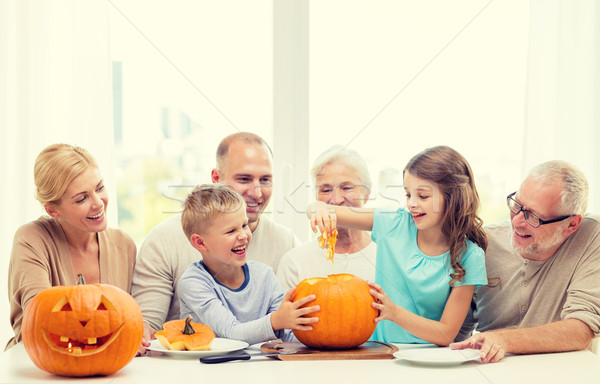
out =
column 515, row 207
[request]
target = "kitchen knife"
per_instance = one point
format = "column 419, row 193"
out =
column 245, row 356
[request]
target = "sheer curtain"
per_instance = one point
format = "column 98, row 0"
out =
column 562, row 117
column 55, row 86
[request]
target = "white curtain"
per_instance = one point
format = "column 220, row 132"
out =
column 562, row 113
column 55, row 86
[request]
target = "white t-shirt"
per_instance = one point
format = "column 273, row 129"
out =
column 308, row 260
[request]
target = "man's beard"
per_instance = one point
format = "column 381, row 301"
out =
column 537, row 247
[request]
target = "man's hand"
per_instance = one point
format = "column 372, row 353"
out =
column 492, row 345
column 147, row 336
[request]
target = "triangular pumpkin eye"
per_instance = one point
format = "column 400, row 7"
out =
column 105, row 305
column 62, row 305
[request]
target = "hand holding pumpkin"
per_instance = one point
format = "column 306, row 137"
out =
column 290, row 314
column 386, row 307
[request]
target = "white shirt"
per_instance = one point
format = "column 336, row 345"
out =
column 308, row 260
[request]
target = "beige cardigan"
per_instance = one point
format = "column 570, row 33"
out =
column 40, row 259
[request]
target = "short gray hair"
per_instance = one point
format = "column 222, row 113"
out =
column 346, row 156
column 574, row 195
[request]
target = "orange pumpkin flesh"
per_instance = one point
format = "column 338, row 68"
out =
column 179, row 335
column 346, row 317
column 82, row 330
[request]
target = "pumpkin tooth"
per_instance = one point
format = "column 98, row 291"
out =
column 64, row 339
column 76, row 351
column 92, row 340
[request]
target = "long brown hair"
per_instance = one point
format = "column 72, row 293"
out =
column 451, row 171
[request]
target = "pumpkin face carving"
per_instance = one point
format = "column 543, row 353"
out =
column 346, row 317
column 82, row 330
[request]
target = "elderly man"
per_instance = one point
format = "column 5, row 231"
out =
column 340, row 177
column 244, row 163
column 544, row 270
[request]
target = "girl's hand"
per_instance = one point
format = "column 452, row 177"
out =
column 290, row 314
column 322, row 217
column 385, row 306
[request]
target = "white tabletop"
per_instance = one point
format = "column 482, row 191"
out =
column 569, row 367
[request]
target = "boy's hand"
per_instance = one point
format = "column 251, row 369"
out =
column 290, row 315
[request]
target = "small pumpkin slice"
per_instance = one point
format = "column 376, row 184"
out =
column 180, row 335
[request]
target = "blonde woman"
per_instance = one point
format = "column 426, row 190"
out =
column 72, row 239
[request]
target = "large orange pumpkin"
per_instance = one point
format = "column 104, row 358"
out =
column 179, row 335
column 346, row 317
column 82, row 330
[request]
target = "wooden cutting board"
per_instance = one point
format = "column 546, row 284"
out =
column 368, row 350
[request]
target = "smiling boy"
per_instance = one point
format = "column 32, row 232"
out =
column 239, row 299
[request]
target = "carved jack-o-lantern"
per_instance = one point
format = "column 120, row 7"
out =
column 82, row 330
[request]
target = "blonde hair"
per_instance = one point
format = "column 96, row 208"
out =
column 56, row 167
column 204, row 203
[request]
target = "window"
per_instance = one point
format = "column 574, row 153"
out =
column 185, row 74
column 395, row 77
column 388, row 79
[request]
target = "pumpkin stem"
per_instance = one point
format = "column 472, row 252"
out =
column 80, row 279
column 187, row 328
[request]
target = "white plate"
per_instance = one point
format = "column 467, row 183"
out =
column 219, row 346
column 438, row 356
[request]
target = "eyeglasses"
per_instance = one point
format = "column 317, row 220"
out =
column 530, row 218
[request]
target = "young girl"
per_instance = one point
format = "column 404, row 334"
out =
column 430, row 256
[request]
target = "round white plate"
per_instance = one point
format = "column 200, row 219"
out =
column 438, row 356
column 219, row 346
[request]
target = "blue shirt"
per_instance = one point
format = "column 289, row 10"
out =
column 240, row 314
column 411, row 279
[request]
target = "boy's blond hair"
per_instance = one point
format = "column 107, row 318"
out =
column 204, row 203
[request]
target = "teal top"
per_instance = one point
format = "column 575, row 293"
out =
column 411, row 279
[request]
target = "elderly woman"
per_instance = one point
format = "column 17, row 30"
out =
column 72, row 239
column 341, row 177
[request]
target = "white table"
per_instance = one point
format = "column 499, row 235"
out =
column 565, row 368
